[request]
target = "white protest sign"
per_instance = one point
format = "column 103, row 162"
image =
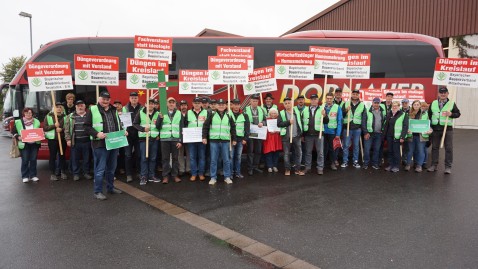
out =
column 238, row 52
column 257, row 132
column 192, row 135
column 358, row 66
column 96, row 70
column 195, row 82
column 153, row 48
column 294, row 65
column 261, row 80
column 141, row 72
column 125, row 119
column 225, row 70
column 330, row 61
column 54, row 76
column 272, row 125
column 459, row 72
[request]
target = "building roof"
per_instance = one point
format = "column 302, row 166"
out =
column 211, row 32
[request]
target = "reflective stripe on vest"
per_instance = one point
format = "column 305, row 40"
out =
column 19, row 127
column 239, row 123
column 220, row 128
column 196, row 122
column 283, row 130
column 97, row 120
column 50, row 134
column 260, row 113
column 153, row 131
column 437, row 114
column 356, row 117
column 170, row 129
column 399, row 126
column 306, row 118
column 370, row 119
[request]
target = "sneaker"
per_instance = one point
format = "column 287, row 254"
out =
column 177, row 179
column 212, row 181
column 375, row 167
column 407, row 168
column 418, row 169
column 150, row 179
column 76, row 177
column 64, row 176
column 320, row 171
column 155, row 179
column 269, row 170
column 239, row 176
column 275, row 169
column 432, row 168
column 300, row 173
column 344, row 165
column 287, row 172
column 54, row 178
column 192, row 178
column 388, row 168
column 100, row 196
column 87, row 176
column 228, row 180
column 394, row 170
column 25, row 180
column 333, row 167
column 165, row 180
column 202, row 178
column 142, row 181
column 447, row 170
column 365, row 167
column 356, row 165
column 129, row 179
column 35, row 179
column 115, row 191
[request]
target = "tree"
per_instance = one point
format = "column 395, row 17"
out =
column 10, row 69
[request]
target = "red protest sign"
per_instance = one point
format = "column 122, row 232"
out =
column 32, row 135
column 96, row 70
column 49, row 76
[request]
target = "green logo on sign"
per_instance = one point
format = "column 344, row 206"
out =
column 134, row 79
column 83, row 75
column 281, row 70
column 36, row 82
column 441, row 76
column 316, row 64
column 249, row 87
column 216, row 75
column 141, row 54
column 185, row 86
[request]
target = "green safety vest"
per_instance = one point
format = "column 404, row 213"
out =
column 266, row 111
column 306, row 117
column 195, row 122
column 50, row 134
column 97, row 120
column 333, row 116
column 437, row 117
column 239, row 123
column 283, row 130
column 153, row 131
column 370, row 119
column 220, row 128
column 260, row 112
column 19, row 127
column 170, row 129
column 399, row 126
column 357, row 116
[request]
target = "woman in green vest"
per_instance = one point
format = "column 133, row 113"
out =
column 52, row 131
column 395, row 131
column 417, row 141
column 28, row 151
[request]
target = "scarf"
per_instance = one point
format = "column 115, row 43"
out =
column 27, row 122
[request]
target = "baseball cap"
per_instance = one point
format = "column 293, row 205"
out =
column 314, row 96
column 300, row 96
column 338, row 90
column 117, row 102
column 269, row 95
column 58, row 104
column 389, row 93
column 171, row 99
column 255, row 96
column 205, row 100
column 405, row 100
column 236, row 101
column 197, row 100
column 376, row 100
column 443, row 90
column 133, row 94
column 79, row 102
column 183, row 102
column 221, row 101
column 105, row 94
column 213, row 101
column 355, row 91
column 287, row 98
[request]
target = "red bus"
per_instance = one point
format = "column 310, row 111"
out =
column 398, row 61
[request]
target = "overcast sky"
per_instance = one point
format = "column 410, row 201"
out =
column 56, row 19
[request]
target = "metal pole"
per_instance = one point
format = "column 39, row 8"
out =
column 31, row 38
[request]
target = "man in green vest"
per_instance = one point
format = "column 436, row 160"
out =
column 146, row 125
column 387, row 104
column 242, row 133
column 195, row 118
column 439, row 111
column 132, row 149
column 332, row 129
column 100, row 120
column 299, row 110
column 183, row 154
column 170, row 133
column 373, row 135
column 312, row 127
column 257, row 117
column 358, row 121
column 268, row 103
column 338, row 98
column 219, row 130
column 288, row 117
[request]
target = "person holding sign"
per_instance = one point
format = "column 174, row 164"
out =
column 373, row 135
column 28, row 151
column 338, row 98
column 417, row 140
column 395, row 131
column 133, row 107
column 145, row 127
column 219, row 128
column 170, row 133
column 288, row 117
column 195, row 118
column 387, row 104
column 441, row 112
column 311, row 122
column 268, row 103
column 356, row 114
column 332, row 129
column 52, row 131
column 257, row 117
column 101, row 120
column 78, row 140
column 242, row 133
column 273, row 143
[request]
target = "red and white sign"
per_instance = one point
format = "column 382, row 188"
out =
column 238, row 52
column 96, row 70
column 294, row 65
column 358, row 66
column 154, row 48
column 367, row 95
column 226, row 70
column 195, row 82
column 459, row 72
column 330, row 61
column 32, row 135
column 54, row 76
column 261, row 80
column 140, row 72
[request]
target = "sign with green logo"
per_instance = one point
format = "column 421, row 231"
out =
column 227, row 70
column 116, row 140
column 294, row 65
column 49, row 76
column 140, row 72
column 96, row 70
column 419, row 126
column 194, row 82
column 153, row 48
column 459, row 72
column 261, row 80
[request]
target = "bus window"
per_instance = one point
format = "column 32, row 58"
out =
column 7, row 104
column 40, row 102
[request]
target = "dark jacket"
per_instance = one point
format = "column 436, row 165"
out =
column 455, row 113
column 207, row 126
column 61, row 121
column 92, row 132
column 286, row 123
column 389, row 125
column 311, row 123
column 373, row 119
column 132, row 132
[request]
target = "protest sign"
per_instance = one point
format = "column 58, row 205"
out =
column 54, row 76
column 225, row 70
column 195, row 82
column 459, row 72
column 294, row 65
column 32, row 135
column 141, row 72
column 96, row 70
column 261, row 80
column 238, row 52
column 154, row 48
column 115, row 140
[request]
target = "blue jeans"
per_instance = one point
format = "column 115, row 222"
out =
column 220, row 149
column 197, row 158
column 80, row 149
column 373, row 143
column 29, row 160
column 355, row 135
column 393, row 152
column 105, row 166
column 272, row 159
column 236, row 155
column 148, row 165
column 416, row 148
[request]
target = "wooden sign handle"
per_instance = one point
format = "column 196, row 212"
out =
column 56, row 121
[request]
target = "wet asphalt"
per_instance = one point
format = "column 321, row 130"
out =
column 352, row 218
